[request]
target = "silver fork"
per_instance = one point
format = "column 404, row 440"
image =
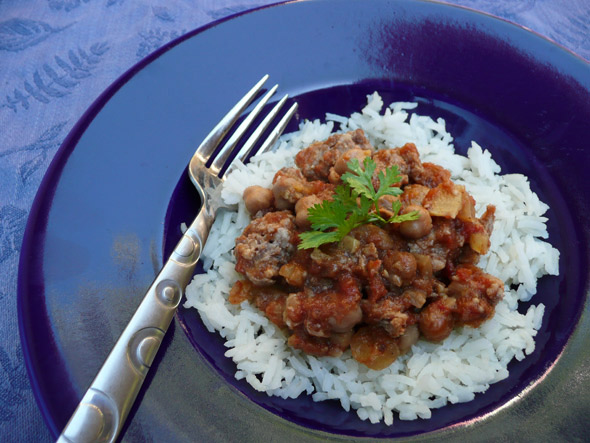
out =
column 104, row 408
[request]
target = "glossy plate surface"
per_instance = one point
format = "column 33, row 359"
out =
column 112, row 201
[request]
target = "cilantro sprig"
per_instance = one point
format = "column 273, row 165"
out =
column 355, row 203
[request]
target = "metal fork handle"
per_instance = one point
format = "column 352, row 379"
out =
column 102, row 411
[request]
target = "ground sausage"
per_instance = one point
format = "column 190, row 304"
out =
column 265, row 245
column 319, row 158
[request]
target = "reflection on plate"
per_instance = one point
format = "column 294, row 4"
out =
column 83, row 270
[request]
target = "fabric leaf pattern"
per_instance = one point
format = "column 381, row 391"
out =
column 49, row 140
column 66, row 5
column 154, row 39
column 12, row 227
column 17, row 34
column 54, row 80
column 15, row 383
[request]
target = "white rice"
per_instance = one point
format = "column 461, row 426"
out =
column 430, row 375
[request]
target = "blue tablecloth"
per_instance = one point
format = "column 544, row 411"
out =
column 57, row 56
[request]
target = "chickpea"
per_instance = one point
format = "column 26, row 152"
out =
column 408, row 339
column 288, row 186
column 341, row 341
column 347, row 321
column 374, row 347
column 418, row 228
column 301, row 210
column 437, row 320
column 257, row 198
column 400, row 266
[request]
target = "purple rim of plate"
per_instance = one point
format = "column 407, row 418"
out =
column 43, row 197
column 42, row 200
column 566, row 227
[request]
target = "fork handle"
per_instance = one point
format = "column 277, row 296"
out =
column 103, row 409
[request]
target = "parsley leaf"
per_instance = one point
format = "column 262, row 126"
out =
column 353, row 204
column 313, row 239
column 359, row 179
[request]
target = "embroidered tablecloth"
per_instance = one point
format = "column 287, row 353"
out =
column 57, row 56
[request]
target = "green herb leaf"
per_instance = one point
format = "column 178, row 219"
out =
column 332, row 213
column 386, row 182
column 361, row 181
column 314, row 239
column 404, row 217
column 353, row 204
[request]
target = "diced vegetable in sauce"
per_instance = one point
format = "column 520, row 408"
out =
column 379, row 287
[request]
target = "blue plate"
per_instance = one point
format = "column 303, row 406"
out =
column 110, row 207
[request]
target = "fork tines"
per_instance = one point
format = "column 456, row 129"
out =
column 211, row 142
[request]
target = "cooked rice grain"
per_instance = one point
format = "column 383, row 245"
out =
column 430, row 375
